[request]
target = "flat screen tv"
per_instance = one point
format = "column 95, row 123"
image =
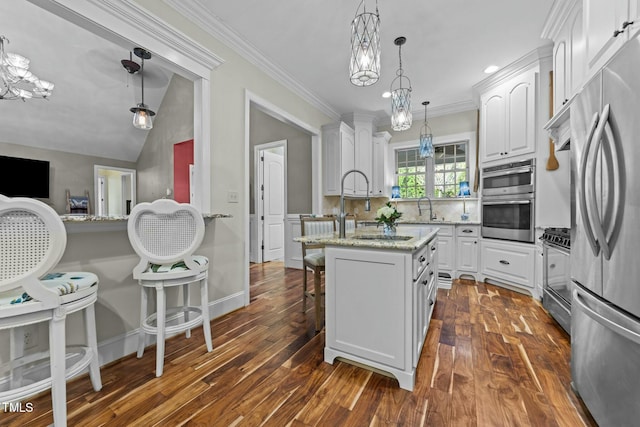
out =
column 24, row 177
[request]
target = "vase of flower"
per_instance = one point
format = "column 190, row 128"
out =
column 389, row 230
column 387, row 217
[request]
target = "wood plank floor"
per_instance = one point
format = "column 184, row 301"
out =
column 492, row 357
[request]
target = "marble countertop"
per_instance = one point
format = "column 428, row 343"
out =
column 406, row 239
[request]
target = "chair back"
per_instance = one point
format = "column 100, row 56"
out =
column 164, row 232
column 32, row 241
column 310, row 225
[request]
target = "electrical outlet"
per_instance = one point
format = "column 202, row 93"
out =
column 232, row 197
column 30, row 338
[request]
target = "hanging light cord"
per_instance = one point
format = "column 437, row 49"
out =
column 142, row 79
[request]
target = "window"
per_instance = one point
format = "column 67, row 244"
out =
column 438, row 177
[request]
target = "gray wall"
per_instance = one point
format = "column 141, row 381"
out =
column 173, row 123
column 68, row 171
column 265, row 128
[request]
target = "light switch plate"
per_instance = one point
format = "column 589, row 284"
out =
column 232, row 197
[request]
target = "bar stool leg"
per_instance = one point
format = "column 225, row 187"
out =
column 318, row 298
column 160, row 322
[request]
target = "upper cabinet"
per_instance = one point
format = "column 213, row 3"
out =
column 608, row 24
column 353, row 145
column 568, row 56
column 338, row 155
column 508, row 114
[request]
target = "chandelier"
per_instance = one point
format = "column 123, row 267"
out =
column 141, row 112
column 426, row 138
column 364, row 67
column 16, row 81
column 401, row 117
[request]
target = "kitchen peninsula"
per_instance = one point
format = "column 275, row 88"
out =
column 379, row 296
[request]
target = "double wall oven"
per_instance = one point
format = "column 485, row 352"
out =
column 508, row 201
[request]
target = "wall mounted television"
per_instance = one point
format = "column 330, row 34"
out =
column 24, row 177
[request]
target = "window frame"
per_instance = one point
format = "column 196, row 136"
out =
column 467, row 138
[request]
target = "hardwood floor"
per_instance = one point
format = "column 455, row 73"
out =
column 492, row 357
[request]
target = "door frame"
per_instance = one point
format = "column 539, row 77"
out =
column 257, row 182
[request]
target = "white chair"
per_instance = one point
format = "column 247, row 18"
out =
column 32, row 241
column 313, row 258
column 165, row 234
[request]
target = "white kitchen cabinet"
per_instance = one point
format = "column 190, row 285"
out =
column 378, row 307
column 509, row 262
column 363, row 160
column 467, row 250
column 608, row 24
column 446, row 254
column 508, row 118
column 338, row 142
column 379, row 180
column 568, row 55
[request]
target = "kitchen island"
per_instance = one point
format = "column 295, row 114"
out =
column 379, row 296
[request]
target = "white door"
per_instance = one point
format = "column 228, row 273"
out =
column 273, row 206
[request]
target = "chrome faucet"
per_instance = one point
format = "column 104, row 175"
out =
column 431, row 215
column 367, row 202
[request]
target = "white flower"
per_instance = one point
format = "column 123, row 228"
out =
column 385, row 212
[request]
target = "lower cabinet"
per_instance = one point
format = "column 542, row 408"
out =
column 509, row 262
column 467, row 250
column 378, row 307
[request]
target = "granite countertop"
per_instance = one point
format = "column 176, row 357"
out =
column 406, row 239
column 93, row 218
column 426, row 222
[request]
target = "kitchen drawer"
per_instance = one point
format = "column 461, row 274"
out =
column 468, row 230
column 507, row 261
column 445, row 230
column 421, row 260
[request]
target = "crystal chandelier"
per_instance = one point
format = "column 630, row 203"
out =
column 16, row 81
column 141, row 112
column 364, row 67
column 426, row 138
column 401, row 117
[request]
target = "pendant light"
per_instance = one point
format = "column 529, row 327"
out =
column 141, row 113
column 426, row 138
column 401, row 117
column 364, row 66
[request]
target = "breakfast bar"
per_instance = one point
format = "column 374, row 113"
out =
column 379, row 295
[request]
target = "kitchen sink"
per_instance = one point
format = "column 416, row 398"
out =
column 380, row 237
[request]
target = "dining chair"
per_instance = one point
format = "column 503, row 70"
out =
column 165, row 234
column 32, row 242
column 313, row 259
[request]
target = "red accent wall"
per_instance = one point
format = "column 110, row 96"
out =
column 182, row 158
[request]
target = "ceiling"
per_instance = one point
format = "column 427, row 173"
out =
column 449, row 44
column 88, row 111
column 301, row 43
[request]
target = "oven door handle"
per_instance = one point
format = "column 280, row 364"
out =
column 508, row 202
column 524, row 169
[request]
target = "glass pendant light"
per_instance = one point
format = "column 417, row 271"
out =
column 401, row 117
column 141, row 113
column 426, row 138
column 364, row 66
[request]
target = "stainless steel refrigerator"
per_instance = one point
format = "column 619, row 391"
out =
column 605, row 241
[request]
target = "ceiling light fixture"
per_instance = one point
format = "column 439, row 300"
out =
column 141, row 113
column 401, row 117
column 16, row 81
column 426, row 138
column 491, row 69
column 364, row 67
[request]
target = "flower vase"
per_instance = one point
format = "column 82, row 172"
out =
column 389, row 230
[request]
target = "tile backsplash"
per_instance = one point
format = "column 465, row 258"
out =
column 447, row 209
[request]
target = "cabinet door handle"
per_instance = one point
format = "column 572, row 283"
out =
column 433, row 248
column 422, row 258
column 425, row 281
column 475, row 242
column 616, row 33
column 430, row 301
column 625, row 24
column 466, row 230
column 505, row 262
column 431, row 273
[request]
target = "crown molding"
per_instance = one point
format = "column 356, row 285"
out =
column 557, row 17
column 196, row 12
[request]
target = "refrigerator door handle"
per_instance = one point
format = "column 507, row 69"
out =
column 618, row 191
column 584, row 302
column 597, row 225
column 582, row 196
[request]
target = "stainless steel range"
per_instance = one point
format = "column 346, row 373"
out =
column 556, row 297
